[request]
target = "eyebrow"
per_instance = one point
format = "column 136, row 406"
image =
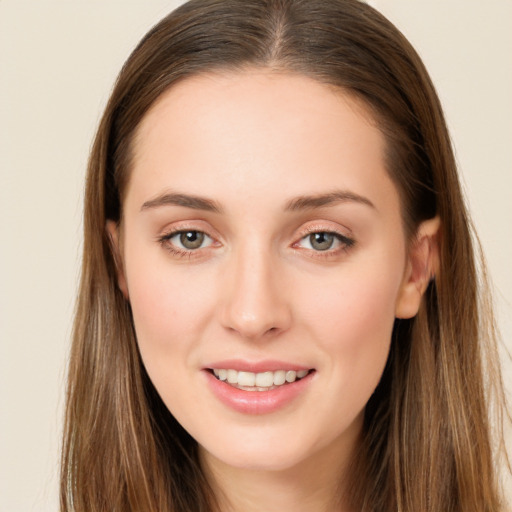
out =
column 185, row 200
column 329, row 199
column 296, row 204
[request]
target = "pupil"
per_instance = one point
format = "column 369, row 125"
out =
column 192, row 239
column 321, row 241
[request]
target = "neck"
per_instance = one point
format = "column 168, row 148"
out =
column 318, row 483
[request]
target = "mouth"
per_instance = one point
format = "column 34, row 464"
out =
column 262, row 387
column 262, row 381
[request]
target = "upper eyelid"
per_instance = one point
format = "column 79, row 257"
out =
column 189, row 225
column 343, row 234
column 300, row 233
column 321, row 227
column 343, row 239
column 174, row 232
column 177, row 249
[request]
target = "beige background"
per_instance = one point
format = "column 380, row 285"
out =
column 58, row 60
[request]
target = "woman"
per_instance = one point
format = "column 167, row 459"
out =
column 275, row 244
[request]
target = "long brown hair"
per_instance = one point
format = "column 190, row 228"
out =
column 426, row 443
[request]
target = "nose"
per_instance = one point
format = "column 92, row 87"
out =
column 255, row 301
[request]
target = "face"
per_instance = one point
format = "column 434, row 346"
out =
column 264, row 258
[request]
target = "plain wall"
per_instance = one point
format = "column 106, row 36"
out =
column 58, row 61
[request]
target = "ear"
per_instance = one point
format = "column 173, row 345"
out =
column 422, row 266
column 112, row 229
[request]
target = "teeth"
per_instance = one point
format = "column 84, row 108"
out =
column 291, row 376
column 264, row 380
column 279, row 377
column 221, row 374
column 246, row 378
column 259, row 380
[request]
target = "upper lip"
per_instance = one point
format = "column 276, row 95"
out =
column 268, row 365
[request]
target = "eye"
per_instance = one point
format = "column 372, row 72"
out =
column 325, row 241
column 187, row 240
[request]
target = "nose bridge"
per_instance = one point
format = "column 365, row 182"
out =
column 255, row 304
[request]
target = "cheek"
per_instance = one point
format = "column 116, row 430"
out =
column 352, row 320
column 170, row 309
column 356, row 299
column 166, row 302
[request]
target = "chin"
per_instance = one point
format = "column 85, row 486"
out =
column 263, row 452
column 259, row 460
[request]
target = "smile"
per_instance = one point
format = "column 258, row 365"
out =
column 258, row 392
column 262, row 381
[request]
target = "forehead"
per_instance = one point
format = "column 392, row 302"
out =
column 244, row 132
column 253, row 94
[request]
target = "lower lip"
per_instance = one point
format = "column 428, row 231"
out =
column 257, row 402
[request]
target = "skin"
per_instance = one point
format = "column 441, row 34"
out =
column 252, row 142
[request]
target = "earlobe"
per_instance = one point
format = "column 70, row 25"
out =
column 112, row 229
column 422, row 266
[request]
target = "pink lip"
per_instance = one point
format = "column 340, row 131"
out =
column 256, row 366
column 257, row 402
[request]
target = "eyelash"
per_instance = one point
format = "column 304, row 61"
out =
column 345, row 242
column 165, row 241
